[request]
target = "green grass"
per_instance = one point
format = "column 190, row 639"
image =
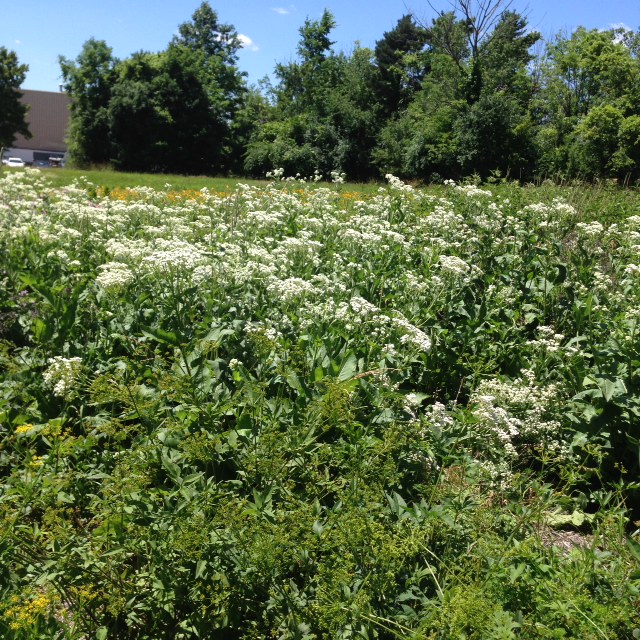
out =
column 603, row 201
column 118, row 179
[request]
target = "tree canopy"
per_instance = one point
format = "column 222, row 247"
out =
column 468, row 91
column 12, row 111
column 167, row 111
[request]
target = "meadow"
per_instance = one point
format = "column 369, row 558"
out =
column 295, row 410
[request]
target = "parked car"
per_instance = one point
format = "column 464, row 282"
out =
column 14, row 162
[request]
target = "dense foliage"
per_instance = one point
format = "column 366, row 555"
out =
column 161, row 112
column 463, row 95
column 12, row 110
column 301, row 412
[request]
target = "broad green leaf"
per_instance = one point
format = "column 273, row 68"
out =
column 166, row 337
column 348, row 368
column 201, row 566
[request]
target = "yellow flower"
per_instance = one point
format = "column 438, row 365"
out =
column 23, row 614
column 36, row 462
column 23, row 428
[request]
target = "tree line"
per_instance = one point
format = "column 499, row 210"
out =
column 474, row 91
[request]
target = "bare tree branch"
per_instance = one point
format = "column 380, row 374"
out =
column 479, row 15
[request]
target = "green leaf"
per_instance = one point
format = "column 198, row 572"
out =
column 42, row 330
column 634, row 547
column 40, row 288
column 294, row 382
column 575, row 519
column 216, row 334
column 200, row 568
column 348, row 368
column 170, row 467
column 609, row 386
column 166, row 337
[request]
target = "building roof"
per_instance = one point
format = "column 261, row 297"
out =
column 48, row 119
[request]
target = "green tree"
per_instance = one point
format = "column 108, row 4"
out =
column 301, row 83
column 89, row 80
column 160, row 115
column 590, row 88
column 168, row 111
column 137, row 122
column 12, row 110
column 400, row 64
column 214, row 68
column 325, row 113
column 472, row 113
column 463, row 32
column 505, row 57
column 252, row 116
column 205, row 33
column 494, row 135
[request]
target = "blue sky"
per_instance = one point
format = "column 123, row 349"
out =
column 40, row 30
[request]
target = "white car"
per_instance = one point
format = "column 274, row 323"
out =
column 14, row 162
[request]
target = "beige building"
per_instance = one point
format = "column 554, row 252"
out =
column 48, row 119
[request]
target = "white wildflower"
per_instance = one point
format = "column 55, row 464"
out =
column 62, row 374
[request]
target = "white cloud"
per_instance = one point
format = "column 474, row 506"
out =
column 247, row 42
column 281, row 10
column 18, row 41
column 620, row 25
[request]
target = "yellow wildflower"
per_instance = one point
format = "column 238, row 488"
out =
column 37, row 462
column 23, row 428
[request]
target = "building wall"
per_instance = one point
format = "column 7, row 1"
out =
column 48, row 119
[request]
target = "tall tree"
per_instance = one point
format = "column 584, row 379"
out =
column 89, row 80
column 12, row 110
column 462, row 32
column 472, row 111
column 302, row 82
column 505, row 57
column 325, row 115
column 215, row 70
column 136, row 116
column 161, row 117
column 218, row 45
column 168, row 111
column 400, row 63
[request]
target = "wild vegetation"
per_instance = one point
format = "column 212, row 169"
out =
column 292, row 411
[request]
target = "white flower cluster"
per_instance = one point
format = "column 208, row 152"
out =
column 516, row 414
column 338, row 177
column 397, row 185
column 547, row 339
column 456, row 267
column 276, row 174
column 291, row 289
column 590, row 230
column 62, row 374
column 412, row 335
column 173, row 255
column 114, row 276
column 470, row 190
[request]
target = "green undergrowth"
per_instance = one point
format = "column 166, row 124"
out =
column 293, row 412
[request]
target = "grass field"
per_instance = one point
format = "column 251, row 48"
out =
column 604, row 201
column 278, row 410
column 119, row 180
